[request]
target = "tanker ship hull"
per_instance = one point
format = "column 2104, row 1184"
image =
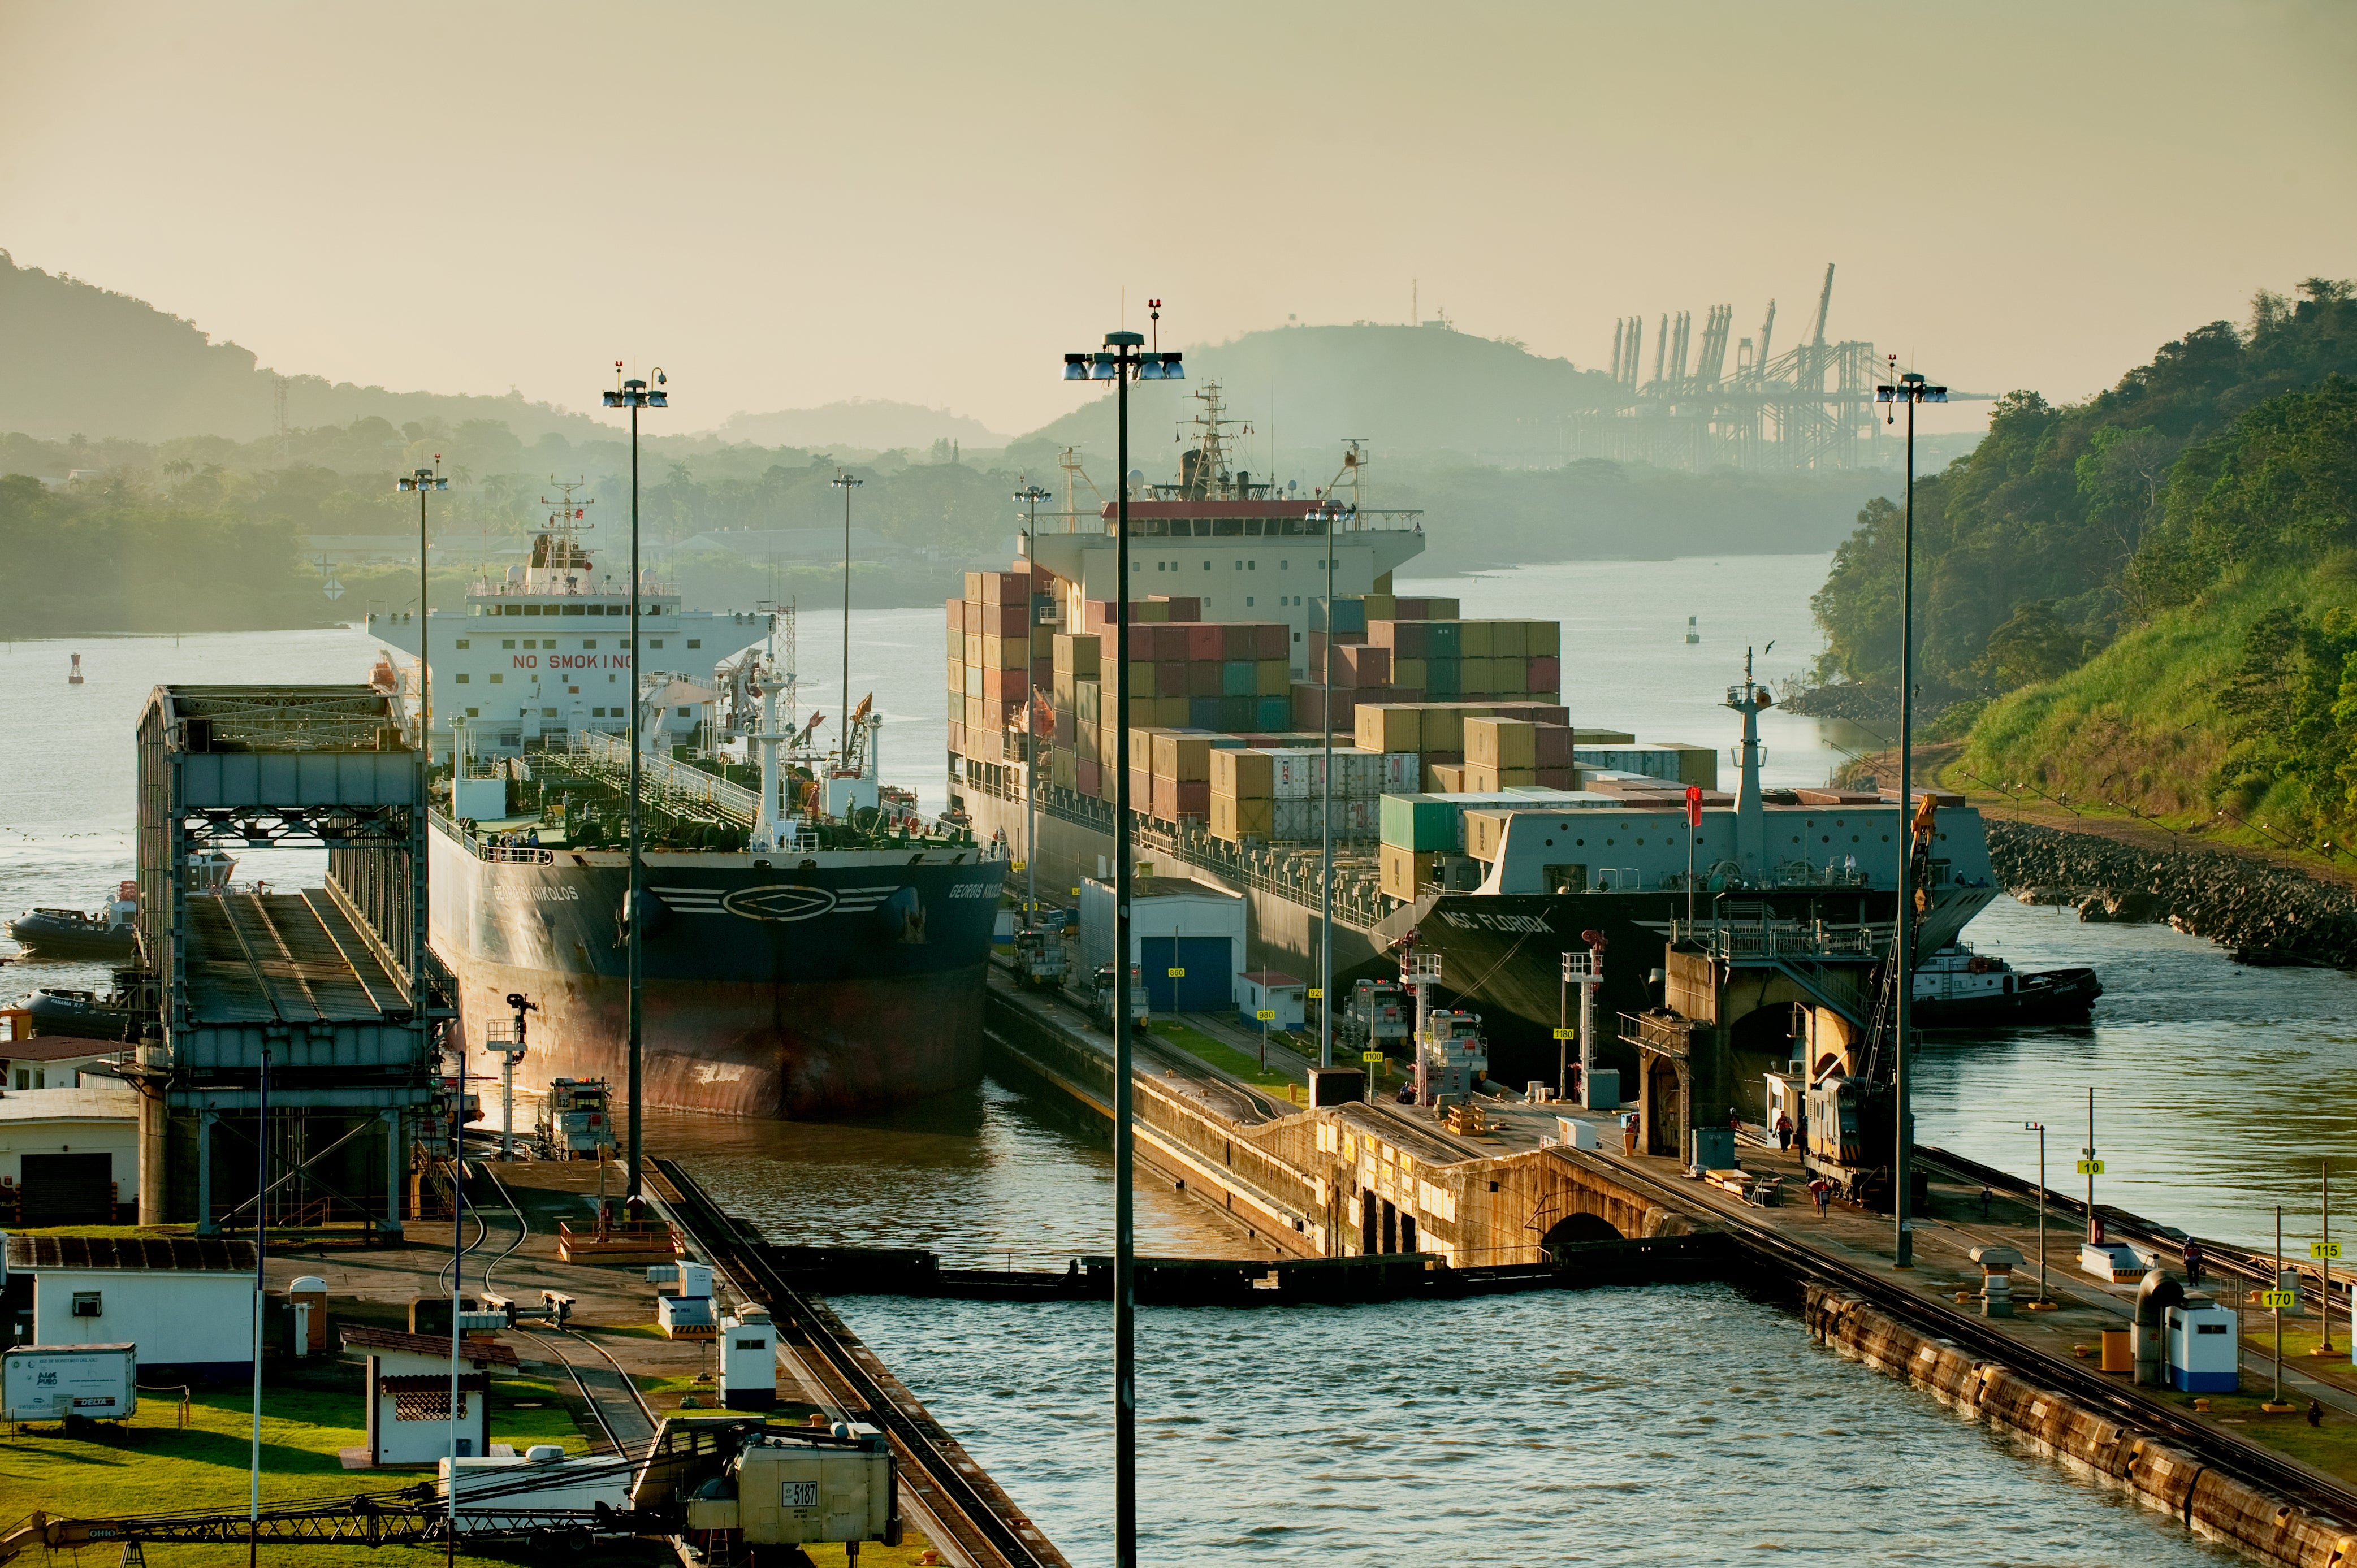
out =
column 834, row 984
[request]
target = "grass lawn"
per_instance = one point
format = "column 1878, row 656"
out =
column 2330, row 1447
column 150, row 1464
column 1227, row 1059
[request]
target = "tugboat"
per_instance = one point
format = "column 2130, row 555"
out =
column 1957, row 988
column 81, row 1014
column 110, row 933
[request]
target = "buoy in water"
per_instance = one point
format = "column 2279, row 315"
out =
column 73, row 676
column 1693, row 632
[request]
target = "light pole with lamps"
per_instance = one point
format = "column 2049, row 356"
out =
column 423, row 480
column 2040, row 1128
column 843, row 481
column 1120, row 361
column 635, row 395
column 1031, row 495
column 1910, row 390
column 1326, row 516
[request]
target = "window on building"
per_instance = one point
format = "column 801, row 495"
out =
column 1248, row 602
column 474, row 712
column 548, row 713
column 466, row 642
column 654, row 642
column 507, row 642
column 589, row 642
column 1251, row 566
column 695, row 642
column 1207, row 566
column 497, row 679
column 460, row 679
column 683, row 712
column 1285, row 566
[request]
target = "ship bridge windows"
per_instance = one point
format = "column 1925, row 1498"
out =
column 695, row 642
column 466, row 642
column 575, row 610
column 507, row 642
column 589, row 643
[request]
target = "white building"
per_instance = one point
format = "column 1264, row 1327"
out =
column 187, row 1302
column 69, row 1150
column 1187, row 941
column 409, row 1393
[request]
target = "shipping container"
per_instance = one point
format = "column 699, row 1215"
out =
column 52, row 1382
column 1405, row 871
column 1004, row 588
column 1545, row 639
column 1345, row 618
column 1439, row 609
column 1088, row 776
column 1510, row 639
column 1186, row 757
column 1551, row 746
column 1444, row 778
column 1182, row 606
column 1510, row 677
column 1474, row 639
column 1485, row 833
column 1543, row 673
column 1489, row 778
column 1247, row 775
column 1234, row 821
column 1505, row 743
column 1377, row 607
column 1419, row 821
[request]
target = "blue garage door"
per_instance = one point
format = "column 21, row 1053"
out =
column 1205, row 987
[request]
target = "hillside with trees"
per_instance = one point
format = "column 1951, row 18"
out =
column 2064, row 526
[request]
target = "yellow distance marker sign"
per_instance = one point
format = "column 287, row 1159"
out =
column 1318, row 993
column 2090, row 1167
column 1176, row 973
column 1566, row 1033
column 2324, row 1252
column 1265, row 1014
column 2278, row 1300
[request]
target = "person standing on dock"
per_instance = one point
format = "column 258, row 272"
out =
column 1819, row 1191
column 2192, row 1262
column 1987, row 1197
column 1784, row 1133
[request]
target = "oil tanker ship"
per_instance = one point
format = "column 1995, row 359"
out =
column 809, row 948
column 1472, row 818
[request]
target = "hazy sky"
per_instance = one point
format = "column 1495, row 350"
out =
column 786, row 204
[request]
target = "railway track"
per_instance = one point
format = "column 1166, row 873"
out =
column 937, row 1469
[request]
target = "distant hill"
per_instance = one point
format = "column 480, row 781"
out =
column 868, row 425
column 86, row 360
column 1412, row 392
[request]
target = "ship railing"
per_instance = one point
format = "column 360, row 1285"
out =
column 1771, row 939
column 673, row 783
column 515, row 855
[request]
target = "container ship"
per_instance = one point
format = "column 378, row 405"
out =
column 809, row 948
column 1471, row 817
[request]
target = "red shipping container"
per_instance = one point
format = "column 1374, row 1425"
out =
column 1202, row 677
column 999, row 587
column 1368, row 666
column 1411, row 610
column 957, row 615
column 1194, row 799
column 1274, row 641
column 1043, row 674
column 1006, row 619
column 957, row 736
column 1205, row 641
column 1005, row 686
column 1309, row 707
column 1170, row 677
column 1546, row 672
column 1391, row 695
column 1177, row 640
column 1088, row 777
column 1067, row 727
column 1405, row 638
column 1551, row 746
column 1183, row 607
column 1559, row 777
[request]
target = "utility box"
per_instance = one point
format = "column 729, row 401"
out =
column 1600, row 1088
column 2203, row 1348
column 793, row 1490
column 1575, row 1134
column 749, row 1360
column 1713, row 1148
column 1337, row 1085
column 52, row 1382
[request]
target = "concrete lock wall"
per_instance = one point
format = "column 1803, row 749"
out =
column 2215, row 1506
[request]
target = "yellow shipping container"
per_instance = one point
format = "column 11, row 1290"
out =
column 1473, row 639
column 1510, row 639
column 957, row 676
column 1488, row 778
column 1406, row 871
column 957, row 642
column 1184, row 758
column 1408, row 674
column 1062, row 769
column 1170, row 712
column 1443, row 727
column 1545, row 639
column 1246, row 775
column 1241, row 822
column 1510, row 677
column 973, row 648
column 1276, row 678
column 1444, row 778
column 1502, row 743
column 1478, row 676
column 972, row 718
column 1441, row 609
column 1076, row 652
column 1485, row 833
column 1391, row 726
column 1043, row 642
column 1382, row 607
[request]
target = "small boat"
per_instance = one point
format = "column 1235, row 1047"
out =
column 110, row 933
column 1957, row 988
column 83, row 1014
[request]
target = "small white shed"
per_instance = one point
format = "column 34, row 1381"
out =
column 185, row 1301
column 68, row 1149
column 409, row 1393
column 1187, row 939
column 1273, row 991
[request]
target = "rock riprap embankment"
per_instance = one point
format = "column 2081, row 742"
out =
column 2265, row 913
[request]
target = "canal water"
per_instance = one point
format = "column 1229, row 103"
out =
column 1587, row 1427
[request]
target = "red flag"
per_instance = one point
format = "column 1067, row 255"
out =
column 1693, row 805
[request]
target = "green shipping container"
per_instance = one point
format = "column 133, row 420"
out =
column 1239, row 678
column 1444, row 678
column 1443, row 640
column 1420, row 821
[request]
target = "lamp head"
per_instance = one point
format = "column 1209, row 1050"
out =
column 1076, row 366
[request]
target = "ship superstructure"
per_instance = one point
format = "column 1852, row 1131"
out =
column 543, row 649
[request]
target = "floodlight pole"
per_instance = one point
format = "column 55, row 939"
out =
column 1910, row 390
column 260, row 1252
column 843, row 481
column 1328, row 517
column 1119, row 360
column 1032, row 495
column 635, row 395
